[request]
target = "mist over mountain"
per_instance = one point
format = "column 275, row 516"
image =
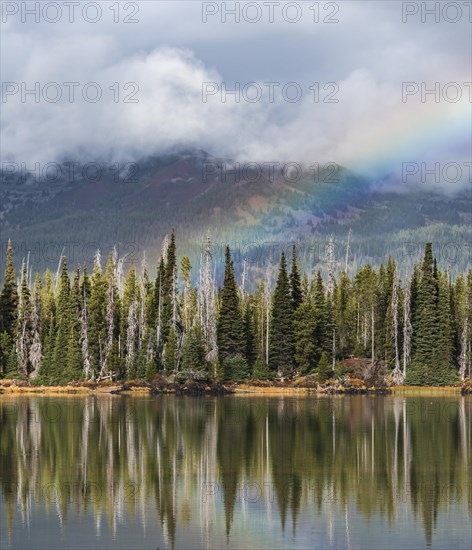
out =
column 260, row 209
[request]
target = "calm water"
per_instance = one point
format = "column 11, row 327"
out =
column 236, row 472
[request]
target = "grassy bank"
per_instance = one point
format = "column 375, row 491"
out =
column 298, row 387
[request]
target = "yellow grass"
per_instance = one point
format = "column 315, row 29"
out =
column 426, row 390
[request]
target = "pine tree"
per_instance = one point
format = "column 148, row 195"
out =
column 443, row 367
column 281, row 348
column 230, row 326
column 96, row 314
column 323, row 338
column 171, row 353
column 57, row 374
column 305, row 327
column 295, row 282
column 74, row 369
column 324, row 368
column 432, row 323
column 194, row 364
column 8, row 309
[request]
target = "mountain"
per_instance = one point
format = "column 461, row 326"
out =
column 252, row 207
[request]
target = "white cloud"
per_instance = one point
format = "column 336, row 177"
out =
column 170, row 53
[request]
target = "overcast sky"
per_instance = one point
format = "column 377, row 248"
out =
column 170, row 55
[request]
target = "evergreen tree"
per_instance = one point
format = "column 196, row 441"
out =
column 230, row 326
column 295, row 282
column 193, row 353
column 324, row 367
column 305, row 327
column 281, row 348
column 8, row 309
column 171, row 353
column 74, row 370
column 96, row 307
column 430, row 363
column 57, row 373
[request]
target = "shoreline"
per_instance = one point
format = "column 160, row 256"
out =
column 11, row 388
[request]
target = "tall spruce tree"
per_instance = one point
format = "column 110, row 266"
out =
column 97, row 318
column 230, row 326
column 57, row 373
column 74, row 370
column 8, row 310
column 281, row 345
column 295, row 282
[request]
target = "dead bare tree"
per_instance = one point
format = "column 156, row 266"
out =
column 398, row 376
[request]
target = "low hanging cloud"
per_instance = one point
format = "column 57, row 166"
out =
column 371, row 109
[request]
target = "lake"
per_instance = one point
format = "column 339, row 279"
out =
column 236, row 472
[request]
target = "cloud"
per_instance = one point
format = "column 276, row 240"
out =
column 164, row 60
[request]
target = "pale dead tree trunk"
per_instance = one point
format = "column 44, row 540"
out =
column 131, row 335
column 407, row 327
column 142, row 310
column 348, row 250
column 176, row 319
column 165, row 248
column 159, row 309
column 357, row 322
column 110, row 321
column 267, row 304
column 334, row 349
column 243, row 279
column 464, row 344
column 331, row 265
column 23, row 321
column 206, row 301
column 373, row 333
column 88, row 372
column 56, row 278
column 119, row 274
column 36, row 352
column 397, row 373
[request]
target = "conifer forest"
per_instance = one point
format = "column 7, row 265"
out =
column 137, row 322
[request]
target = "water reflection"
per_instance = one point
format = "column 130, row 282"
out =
column 244, row 472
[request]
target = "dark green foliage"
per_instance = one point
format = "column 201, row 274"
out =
column 306, row 348
column 260, row 371
column 230, row 326
column 193, row 352
column 324, row 367
column 171, row 353
column 281, row 346
column 97, row 315
column 8, row 309
column 57, row 330
column 236, row 368
column 295, row 282
column 432, row 362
